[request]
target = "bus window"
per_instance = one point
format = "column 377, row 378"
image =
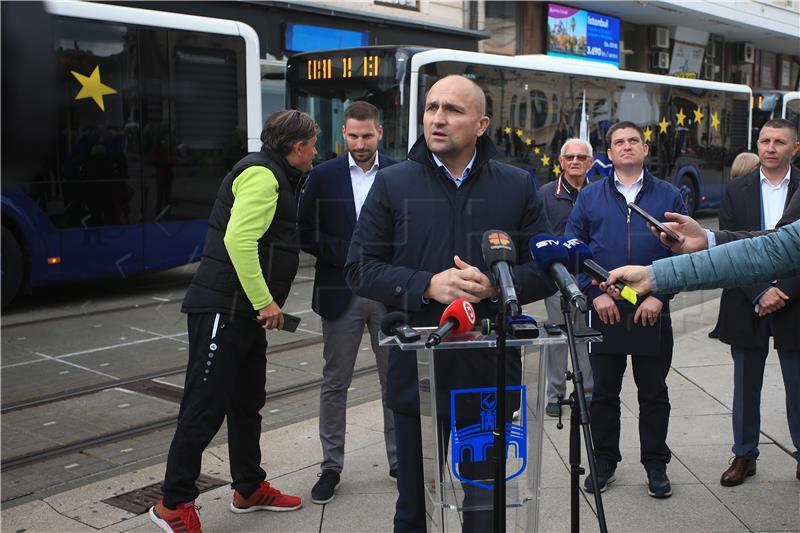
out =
column 98, row 171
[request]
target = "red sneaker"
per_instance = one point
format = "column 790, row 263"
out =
column 265, row 498
column 184, row 519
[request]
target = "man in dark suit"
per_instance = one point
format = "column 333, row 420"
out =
column 749, row 316
column 417, row 248
column 330, row 205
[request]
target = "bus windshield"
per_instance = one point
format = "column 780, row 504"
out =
column 324, row 83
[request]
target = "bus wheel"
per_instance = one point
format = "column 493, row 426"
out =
column 12, row 265
column 689, row 194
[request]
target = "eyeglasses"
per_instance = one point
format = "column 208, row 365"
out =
column 579, row 157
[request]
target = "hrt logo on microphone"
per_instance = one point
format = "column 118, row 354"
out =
column 499, row 239
column 469, row 311
column 572, row 243
column 548, row 242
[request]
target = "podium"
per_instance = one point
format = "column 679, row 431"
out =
column 458, row 423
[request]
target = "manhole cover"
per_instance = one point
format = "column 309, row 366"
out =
column 140, row 500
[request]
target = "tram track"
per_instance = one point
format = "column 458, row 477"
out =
column 106, row 310
column 148, row 427
column 68, row 395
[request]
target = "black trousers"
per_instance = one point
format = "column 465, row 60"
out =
column 226, row 377
column 649, row 373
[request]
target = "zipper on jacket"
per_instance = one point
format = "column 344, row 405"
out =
column 628, row 222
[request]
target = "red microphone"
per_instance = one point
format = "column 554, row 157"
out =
column 459, row 317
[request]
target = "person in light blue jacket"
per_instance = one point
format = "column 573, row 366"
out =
column 739, row 263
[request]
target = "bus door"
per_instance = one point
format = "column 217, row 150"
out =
column 95, row 200
column 193, row 131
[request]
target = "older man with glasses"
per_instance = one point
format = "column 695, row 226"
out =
column 558, row 198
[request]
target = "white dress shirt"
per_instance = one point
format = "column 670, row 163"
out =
column 629, row 191
column 773, row 199
column 362, row 181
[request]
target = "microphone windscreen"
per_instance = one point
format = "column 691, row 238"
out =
column 497, row 246
column 547, row 250
column 578, row 252
column 463, row 312
column 390, row 320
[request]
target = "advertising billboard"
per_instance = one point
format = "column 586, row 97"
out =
column 582, row 34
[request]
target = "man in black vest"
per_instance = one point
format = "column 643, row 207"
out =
column 248, row 265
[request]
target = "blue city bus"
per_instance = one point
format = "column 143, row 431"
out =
column 694, row 128
column 153, row 109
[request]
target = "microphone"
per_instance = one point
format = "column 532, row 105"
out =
column 459, row 317
column 499, row 255
column 551, row 256
column 581, row 258
column 395, row 323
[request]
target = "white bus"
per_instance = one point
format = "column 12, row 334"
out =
column 694, row 128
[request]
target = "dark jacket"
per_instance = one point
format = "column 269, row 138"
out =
column 557, row 204
column 739, row 325
column 327, row 217
column 790, row 214
column 414, row 221
column 215, row 286
column 616, row 237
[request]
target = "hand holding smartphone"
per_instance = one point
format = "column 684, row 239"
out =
column 290, row 322
column 650, row 219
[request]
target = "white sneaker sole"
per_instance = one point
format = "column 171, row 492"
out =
column 323, row 502
column 254, row 508
column 158, row 521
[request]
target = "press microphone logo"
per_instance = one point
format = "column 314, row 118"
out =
column 548, row 242
column 571, row 243
column 499, row 239
column 469, row 311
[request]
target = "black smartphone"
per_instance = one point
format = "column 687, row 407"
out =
column 290, row 322
column 650, row 219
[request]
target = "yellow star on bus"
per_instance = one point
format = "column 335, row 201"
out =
column 537, row 150
column 663, row 125
column 507, row 130
column 648, row 134
column 698, row 115
column 92, row 87
column 681, row 117
column 519, row 133
column 715, row 121
column 528, row 141
column 557, row 170
column 546, row 160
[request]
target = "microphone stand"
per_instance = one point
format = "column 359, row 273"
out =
column 499, row 503
column 579, row 416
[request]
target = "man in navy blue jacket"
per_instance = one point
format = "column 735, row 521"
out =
column 417, row 248
column 330, row 205
column 602, row 219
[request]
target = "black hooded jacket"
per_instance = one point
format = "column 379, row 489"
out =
column 413, row 222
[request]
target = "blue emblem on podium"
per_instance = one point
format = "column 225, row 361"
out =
column 472, row 431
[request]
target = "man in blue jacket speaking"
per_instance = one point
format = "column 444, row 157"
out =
column 417, row 248
column 602, row 219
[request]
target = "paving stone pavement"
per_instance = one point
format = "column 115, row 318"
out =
column 699, row 435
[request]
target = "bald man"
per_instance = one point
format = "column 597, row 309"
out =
column 417, row 248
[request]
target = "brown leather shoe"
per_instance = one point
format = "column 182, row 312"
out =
column 740, row 469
